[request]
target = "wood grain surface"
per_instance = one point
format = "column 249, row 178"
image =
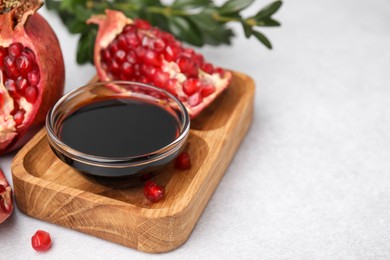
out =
column 48, row 189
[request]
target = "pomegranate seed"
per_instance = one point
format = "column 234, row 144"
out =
column 128, row 28
column 208, row 68
column 207, row 90
column 140, row 51
column 21, row 84
column 131, row 57
column 160, row 78
column 114, row 68
column 187, row 66
column 220, row 71
column 153, row 192
column 195, row 99
column 191, row 86
column 183, row 161
column 23, row 64
column 152, row 58
column 29, row 54
column 122, row 43
column 120, row 56
column 11, row 86
column 41, row 241
column 33, row 77
column 19, row 117
column 10, row 67
column 158, row 45
column 171, row 53
column 142, row 24
column 190, row 52
column 132, row 39
column 31, row 94
column 15, row 49
column 127, row 69
column 106, row 55
column 113, row 47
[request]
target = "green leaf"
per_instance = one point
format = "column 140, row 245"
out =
column 187, row 4
column 70, row 5
column 85, row 46
column 268, row 10
column 268, row 22
column 261, row 37
column 185, row 30
column 247, row 29
column 234, row 6
column 76, row 26
column 52, row 5
column 213, row 33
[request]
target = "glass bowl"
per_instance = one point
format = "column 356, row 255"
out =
column 121, row 171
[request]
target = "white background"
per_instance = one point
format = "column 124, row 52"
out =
column 312, row 178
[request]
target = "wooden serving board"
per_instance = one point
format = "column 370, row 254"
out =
column 48, row 189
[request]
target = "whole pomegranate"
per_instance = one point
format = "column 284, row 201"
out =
column 32, row 71
column 6, row 204
column 136, row 51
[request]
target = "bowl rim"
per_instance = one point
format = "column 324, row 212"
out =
column 116, row 162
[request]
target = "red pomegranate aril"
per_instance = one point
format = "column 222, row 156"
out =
column 183, row 161
column 106, row 55
column 19, row 117
column 191, row 86
column 10, row 67
column 132, row 39
column 114, row 68
column 152, row 58
column 187, row 66
column 31, row 94
column 171, row 53
column 160, row 78
column 153, row 192
column 113, row 48
column 207, row 90
column 41, row 241
column 131, row 57
column 126, row 70
column 21, row 84
column 23, row 64
column 15, row 49
column 33, row 77
column 120, row 56
column 122, row 42
column 195, row 99
column 142, row 24
column 158, row 45
column 208, row 68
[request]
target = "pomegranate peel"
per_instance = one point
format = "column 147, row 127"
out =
column 6, row 203
column 31, row 71
column 136, row 51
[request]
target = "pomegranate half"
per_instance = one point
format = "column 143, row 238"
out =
column 32, row 71
column 136, row 51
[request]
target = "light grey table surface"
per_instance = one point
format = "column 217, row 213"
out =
column 312, row 178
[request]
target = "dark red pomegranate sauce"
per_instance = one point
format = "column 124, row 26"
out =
column 119, row 127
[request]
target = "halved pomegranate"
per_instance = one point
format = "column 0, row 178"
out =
column 6, row 204
column 32, row 71
column 136, row 51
